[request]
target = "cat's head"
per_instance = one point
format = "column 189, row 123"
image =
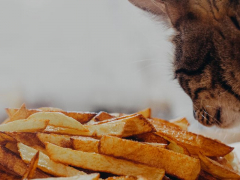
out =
column 207, row 54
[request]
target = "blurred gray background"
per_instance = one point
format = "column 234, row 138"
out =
column 87, row 55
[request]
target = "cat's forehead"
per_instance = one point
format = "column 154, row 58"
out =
column 178, row 11
column 201, row 10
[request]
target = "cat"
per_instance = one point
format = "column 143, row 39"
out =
column 207, row 54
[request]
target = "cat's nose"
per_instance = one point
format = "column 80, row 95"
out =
column 204, row 117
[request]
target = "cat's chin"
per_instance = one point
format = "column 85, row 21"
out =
column 228, row 131
column 228, row 134
column 230, row 120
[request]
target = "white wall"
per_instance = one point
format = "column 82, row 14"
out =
column 89, row 55
column 86, row 55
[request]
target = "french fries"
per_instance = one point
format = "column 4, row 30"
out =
column 194, row 143
column 181, row 122
column 94, row 176
column 150, row 137
column 217, row 169
column 102, row 163
column 54, row 144
column 86, row 144
column 101, row 116
column 58, row 119
column 122, row 127
column 46, row 164
column 23, row 113
column 6, row 176
column 32, row 167
column 146, row 113
column 27, row 138
column 60, row 140
column 25, row 125
column 152, row 156
column 16, row 164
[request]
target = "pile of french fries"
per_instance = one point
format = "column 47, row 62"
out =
column 49, row 143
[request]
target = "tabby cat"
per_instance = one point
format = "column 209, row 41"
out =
column 207, row 54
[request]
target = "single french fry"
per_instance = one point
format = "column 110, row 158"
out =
column 176, row 148
column 25, row 125
column 123, row 127
column 12, row 146
column 15, row 164
column 66, row 131
column 4, row 138
column 94, row 176
column 58, row 119
column 175, row 164
column 216, row 169
column 122, row 178
column 32, row 167
column 28, row 138
column 21, row 113
column 101, row 116
column 86, row 144
column 147, row 113
column 82, row 117
column 102, row 163
column 157, row 122
column 150, row 137
column 60, row 140
column 205, row 176
column 159, row 145
column 115, row 118
column 10, row 112
column 6, row 176
column 194, row 143
column 6, row 170
column 181, row 122
column 49, row 109
column 46, row 164
column 118, row 114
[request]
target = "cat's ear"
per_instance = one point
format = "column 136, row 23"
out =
column 169, row 11
column 156, row 7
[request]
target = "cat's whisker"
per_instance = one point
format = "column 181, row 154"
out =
column 214, row 119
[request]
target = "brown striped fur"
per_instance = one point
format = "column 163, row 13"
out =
column 207, row 54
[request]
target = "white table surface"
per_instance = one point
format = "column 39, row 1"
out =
column 236, row 149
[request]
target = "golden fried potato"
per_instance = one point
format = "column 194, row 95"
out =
column 32, row 167
column 16, row 164
column 23, row 113
column 180, row 165
column 192, row 142
column 94, row 176
column 86, row 144
column 101, row 116
column 216, row 169
column 60, row 140
column 181, row 122
column 6, row 176
column 150, row 137
column 58, row 119
column 25, row 125
column 28, row 138
column 46, row 164
column 102, row 163
column 147, row 113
